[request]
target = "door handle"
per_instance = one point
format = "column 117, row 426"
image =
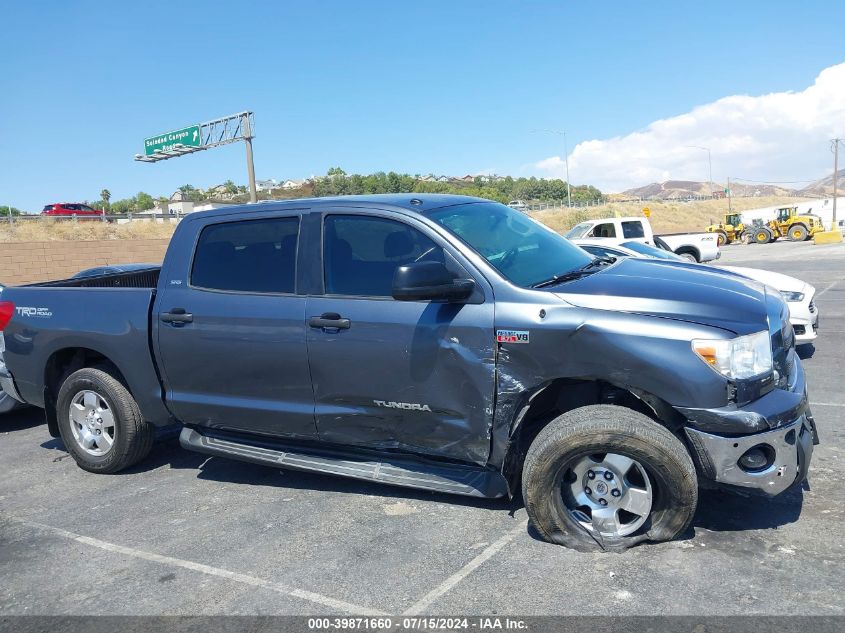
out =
column 177, row 316
column 330, row 320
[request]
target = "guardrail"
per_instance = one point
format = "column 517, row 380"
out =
column 116, row 217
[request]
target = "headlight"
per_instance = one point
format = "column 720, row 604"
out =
column 739, row 358
column 792, row 296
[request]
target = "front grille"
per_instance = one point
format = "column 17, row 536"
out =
column 799, row 330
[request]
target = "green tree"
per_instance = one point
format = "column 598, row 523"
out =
column 231, row 187
column 335, row 171
column 144, row 201
column 105, row 196
column 5, row 211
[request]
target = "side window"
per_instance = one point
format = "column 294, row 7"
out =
column 633, row 229
column 604, row 230
column 247, row 256
column 361, row 253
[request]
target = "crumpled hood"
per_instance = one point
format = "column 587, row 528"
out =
column 674, row 290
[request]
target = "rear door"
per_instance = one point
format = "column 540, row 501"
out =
column 605, row 229
column 635, row 230
column 415, row 376
column 231, row 336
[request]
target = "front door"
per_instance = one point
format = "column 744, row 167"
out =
column 231, row 337
column 413, row 376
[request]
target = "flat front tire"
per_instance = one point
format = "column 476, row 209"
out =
column 100, row 422
column 607, row 477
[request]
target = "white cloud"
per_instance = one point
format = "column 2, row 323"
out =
column 778, row 136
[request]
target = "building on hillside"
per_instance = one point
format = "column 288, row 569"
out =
column 293, row 184
column 217, row 190
column 444, row 179
column 266, row 185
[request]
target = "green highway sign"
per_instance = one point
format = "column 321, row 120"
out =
column 189, row 137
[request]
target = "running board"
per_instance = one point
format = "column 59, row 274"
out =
column 460, row 480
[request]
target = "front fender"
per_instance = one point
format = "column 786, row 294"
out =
column 648, row 356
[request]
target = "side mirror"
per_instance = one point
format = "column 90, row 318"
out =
column 429, row 281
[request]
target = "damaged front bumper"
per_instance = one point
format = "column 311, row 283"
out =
column 765, row 445
column 787, row 452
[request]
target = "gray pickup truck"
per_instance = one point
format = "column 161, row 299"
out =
column 437, row 342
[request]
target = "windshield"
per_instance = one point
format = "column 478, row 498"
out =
column 520, row 248
column 578, row 231
column 651, row 251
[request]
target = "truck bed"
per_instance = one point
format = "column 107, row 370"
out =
column 147, row 278
column 107, row 315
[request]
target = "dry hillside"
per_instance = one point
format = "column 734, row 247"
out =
column 41, row 230
column 666, row 217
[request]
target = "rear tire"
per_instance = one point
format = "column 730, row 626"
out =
column 554, row 473
column 100, row 422
column 689, row 257
column 798, row 233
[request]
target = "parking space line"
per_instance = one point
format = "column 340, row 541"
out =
column 827, row 404
column 828, row 287
column 426, row 601
column 317, row 598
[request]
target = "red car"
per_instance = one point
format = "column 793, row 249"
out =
column 69, row 208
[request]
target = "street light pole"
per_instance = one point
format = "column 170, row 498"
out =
column 709, row 164
column 836, row 142
column 565, row 160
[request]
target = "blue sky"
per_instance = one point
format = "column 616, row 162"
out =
column 443, row 87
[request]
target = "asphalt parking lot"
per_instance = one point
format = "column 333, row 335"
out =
column 187, row 534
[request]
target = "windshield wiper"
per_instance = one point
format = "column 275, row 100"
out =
column 586, row 269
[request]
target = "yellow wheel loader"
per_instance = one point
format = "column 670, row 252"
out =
column 730, row 230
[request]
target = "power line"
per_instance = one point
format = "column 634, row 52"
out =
column 774, row 182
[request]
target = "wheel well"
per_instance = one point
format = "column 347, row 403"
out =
column 564, row 394
column 690, row 250
column 62, row 363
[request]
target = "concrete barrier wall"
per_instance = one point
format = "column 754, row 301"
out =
column 29, row 262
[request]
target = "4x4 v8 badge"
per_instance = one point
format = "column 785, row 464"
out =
column 512, row 336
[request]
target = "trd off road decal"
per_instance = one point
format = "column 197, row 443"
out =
column 512, row 336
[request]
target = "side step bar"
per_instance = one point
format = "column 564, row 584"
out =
column 461, row 480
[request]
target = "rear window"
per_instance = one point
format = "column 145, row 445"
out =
column 633, row 229
column 248, row 256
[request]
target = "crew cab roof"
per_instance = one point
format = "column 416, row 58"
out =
column 416, row 202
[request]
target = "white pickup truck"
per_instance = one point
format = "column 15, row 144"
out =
column 697, row 247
